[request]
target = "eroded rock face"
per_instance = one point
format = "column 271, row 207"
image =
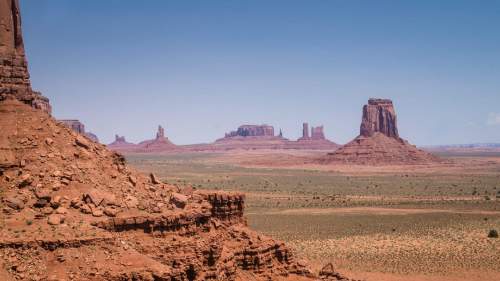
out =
column 379, row 116
column 14, row 79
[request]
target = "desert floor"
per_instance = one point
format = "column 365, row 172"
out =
column 425, row 222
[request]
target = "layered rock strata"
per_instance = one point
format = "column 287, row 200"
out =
column 14, row 79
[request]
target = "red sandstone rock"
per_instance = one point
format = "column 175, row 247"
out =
column 252, row 131
column 379, row 116
column 160, row 143
column 121, row 145
column 126, row 229
column 115, row 228
column 317, row 133
column 14, row 79
column 379, row 142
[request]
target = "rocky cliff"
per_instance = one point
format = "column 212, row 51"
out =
column 14, row 79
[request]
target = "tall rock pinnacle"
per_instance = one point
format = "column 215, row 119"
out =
column 15, row 79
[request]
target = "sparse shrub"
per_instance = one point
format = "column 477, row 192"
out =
column 493, row 233
column 29, row 222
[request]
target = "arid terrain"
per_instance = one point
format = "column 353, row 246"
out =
column 417, row 222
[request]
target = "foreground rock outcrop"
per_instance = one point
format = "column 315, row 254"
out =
column 70, row 209
column 14, row 78
column 378, row 142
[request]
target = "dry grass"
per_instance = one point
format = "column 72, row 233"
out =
column 391, row 221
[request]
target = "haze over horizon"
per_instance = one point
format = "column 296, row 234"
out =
column 202, row 68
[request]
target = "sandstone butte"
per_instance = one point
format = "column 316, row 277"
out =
column 246, row 137
column 71, row 209
column 251, row 137
column 378, row 142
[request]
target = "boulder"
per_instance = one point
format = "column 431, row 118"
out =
column 154, row 179
column 179, row 200
column 14, row 203
column 99, row 198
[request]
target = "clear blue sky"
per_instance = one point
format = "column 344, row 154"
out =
column 201, row 68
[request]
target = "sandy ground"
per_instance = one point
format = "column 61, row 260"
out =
column 302, row 159
column 417, row 223
column 378, row 211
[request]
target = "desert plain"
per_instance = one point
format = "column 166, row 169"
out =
column 399, row 222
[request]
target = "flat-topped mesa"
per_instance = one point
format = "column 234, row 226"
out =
column 15, row 78
column 252, row 131
column 379, row 116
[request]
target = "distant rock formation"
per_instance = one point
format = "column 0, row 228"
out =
column 317, row 133
column 252, row 131
column 315, row 140
column 378, row 142
column 78, row 127
column 15, row 78
column 160, row 143
column 305, row 131
column 252, row 137
column 120, row 144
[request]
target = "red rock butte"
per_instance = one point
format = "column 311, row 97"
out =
column 378, row 142
column 252, row 137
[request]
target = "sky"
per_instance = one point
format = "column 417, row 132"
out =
column 202, row 68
